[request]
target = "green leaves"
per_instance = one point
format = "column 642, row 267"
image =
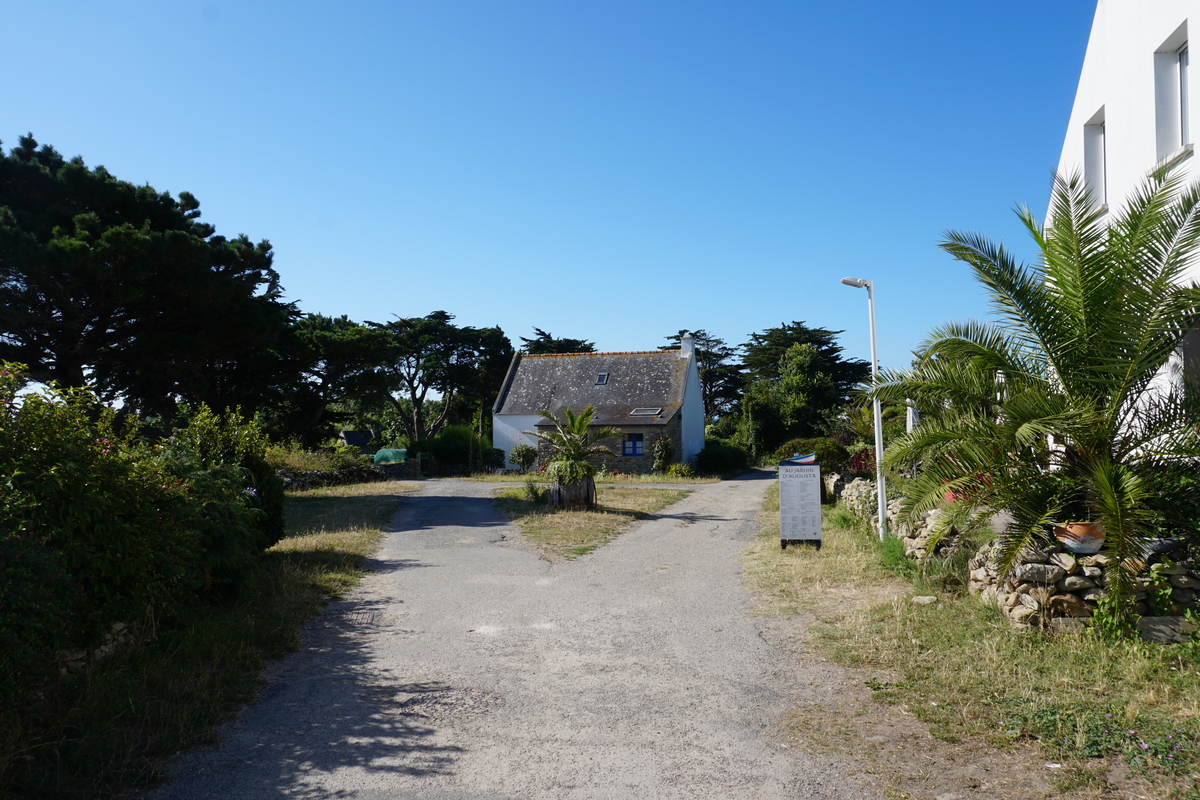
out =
column 571, row 440
column 1065, row 405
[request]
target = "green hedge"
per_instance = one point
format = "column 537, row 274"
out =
column 832, row 456
column 720, row 457
column 98, row 527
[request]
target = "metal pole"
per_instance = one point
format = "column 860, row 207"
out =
column 879, row 481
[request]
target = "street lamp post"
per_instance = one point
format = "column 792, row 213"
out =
column 859, row 283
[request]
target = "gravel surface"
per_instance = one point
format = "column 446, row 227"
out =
column 462, row 668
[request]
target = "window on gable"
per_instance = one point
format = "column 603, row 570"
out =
column 1172, row 125
column 602, row 379
column 632, row 446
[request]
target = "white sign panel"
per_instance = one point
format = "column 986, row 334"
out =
column 799, row 502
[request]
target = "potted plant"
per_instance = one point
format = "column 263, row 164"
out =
column 574, row 486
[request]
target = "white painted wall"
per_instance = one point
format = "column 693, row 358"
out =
column 693, row 413
column 507, row 433
column 1126, row 116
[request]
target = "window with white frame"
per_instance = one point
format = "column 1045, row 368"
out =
column 632, row 445
column 1172, row 123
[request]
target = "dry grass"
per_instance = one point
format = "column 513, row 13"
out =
column 564, row 535
column 111, row 729
column 968, row 675
column 843, row 572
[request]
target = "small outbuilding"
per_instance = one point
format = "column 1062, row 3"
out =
column 645, row 394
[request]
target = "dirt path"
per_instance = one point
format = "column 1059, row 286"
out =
column 466, row 669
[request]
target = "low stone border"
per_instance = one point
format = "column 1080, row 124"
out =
column 1048, row 582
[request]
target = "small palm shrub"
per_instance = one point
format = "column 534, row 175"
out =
column 573, row 445
column 1077, row 355
column 681, row 471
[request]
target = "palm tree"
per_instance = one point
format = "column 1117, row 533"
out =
column 573, row 444
column 1065, row 407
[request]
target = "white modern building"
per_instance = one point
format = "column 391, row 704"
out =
column 1134, row 106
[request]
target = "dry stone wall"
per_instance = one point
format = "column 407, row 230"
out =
column 861, row 498
column 1049, row 582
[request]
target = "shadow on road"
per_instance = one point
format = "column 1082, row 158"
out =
column 333, row 710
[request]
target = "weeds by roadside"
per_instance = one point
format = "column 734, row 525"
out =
column 961, row 669
column 111, row 728
column 570, row 534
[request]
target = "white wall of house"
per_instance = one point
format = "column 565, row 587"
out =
column 1134, row 106
column 508, row 432
column 692, row 422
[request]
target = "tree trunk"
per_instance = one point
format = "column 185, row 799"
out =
column 580, row 496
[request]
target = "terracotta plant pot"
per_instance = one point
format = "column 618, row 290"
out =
column 1081, row 537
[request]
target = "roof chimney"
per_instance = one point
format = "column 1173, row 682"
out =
column 686, row 345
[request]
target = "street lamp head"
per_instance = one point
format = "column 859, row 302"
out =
column 857, row 283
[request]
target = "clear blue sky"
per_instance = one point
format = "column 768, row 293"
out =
column 614, row 170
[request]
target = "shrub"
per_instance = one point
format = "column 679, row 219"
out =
column 36, row 595
column 524, row 456
column 229, row 440
column 832, row 456
column 291, row 456
column 719, row 457
column 663, row 453
column 492, row 459
column 681, row 471
column 99, row 506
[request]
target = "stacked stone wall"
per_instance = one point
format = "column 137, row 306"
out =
column 1049, row 582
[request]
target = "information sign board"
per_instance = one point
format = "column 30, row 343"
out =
column 799, row 503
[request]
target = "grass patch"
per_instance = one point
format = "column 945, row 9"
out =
column 113, row 727
column 803, row 578
column 570, row 534
column 963, row 670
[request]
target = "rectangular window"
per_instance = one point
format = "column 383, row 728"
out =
column 1095, row 167
column 602, row 379
column 1172, row 127
column 632, row 446
column 1185, row 134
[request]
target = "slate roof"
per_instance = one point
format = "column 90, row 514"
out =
column 652, row 379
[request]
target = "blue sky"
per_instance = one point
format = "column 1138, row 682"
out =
column 614, row 171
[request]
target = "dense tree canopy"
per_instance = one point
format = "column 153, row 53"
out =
column 319, row 362
column 762, row 356
column 431, row 354
column 119, row 285
column 544, row 343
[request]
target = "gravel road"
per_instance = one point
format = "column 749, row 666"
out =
column 463, row 668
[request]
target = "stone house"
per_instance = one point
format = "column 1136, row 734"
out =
column 645, row 394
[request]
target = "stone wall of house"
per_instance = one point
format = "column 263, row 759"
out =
column 673, row 430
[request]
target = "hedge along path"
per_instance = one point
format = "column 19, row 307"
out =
column 113, row 727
